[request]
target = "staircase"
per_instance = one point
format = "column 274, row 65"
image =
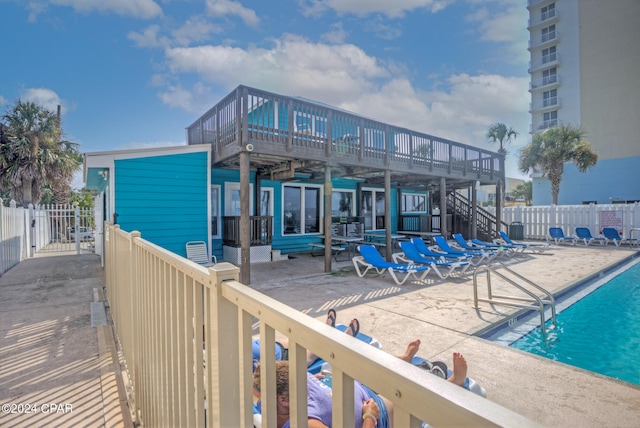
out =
column 460, row 209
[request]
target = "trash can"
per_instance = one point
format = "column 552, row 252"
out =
column 516, row 230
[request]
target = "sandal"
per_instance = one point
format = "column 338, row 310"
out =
column 331, row 316
column 354, row 325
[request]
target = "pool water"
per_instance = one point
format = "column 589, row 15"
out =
column 600, row 332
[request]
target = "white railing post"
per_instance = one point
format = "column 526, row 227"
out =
column 222, row 346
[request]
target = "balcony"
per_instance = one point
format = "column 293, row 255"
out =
column 544, row 40
column 289, row 136
column 543, row 62
column 548, row 82
column 550, row 103
column 548, row 18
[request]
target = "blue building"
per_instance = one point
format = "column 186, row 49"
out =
column 264, row 172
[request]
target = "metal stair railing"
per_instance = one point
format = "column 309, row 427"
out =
column 533, row 302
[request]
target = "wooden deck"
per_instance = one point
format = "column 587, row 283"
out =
column 292, row 135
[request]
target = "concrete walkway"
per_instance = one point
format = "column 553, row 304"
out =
column 56, row 351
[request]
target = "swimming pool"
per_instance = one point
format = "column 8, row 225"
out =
column 598, row 327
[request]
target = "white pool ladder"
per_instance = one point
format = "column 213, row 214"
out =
column 533, row 302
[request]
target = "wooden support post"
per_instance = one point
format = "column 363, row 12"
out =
column 443, row 207
column 245, row 236
column 328, row 191
column 387, row 213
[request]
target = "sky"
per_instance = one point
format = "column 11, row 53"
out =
column 135, row 73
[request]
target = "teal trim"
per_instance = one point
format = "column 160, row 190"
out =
column 164, row 198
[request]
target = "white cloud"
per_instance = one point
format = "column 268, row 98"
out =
column 46, row 98
column 144, row 9
column 337, row 34
column 293, row 65
column 148, row 38
column 196, row 29
column 227, row 7
column 506, row 26
column 392, row 9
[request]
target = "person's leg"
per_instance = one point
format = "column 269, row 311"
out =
column 412, row 350
column 459, row 375
column 330, row 321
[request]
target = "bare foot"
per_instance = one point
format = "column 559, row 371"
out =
column 412, row 350
column 459, row 375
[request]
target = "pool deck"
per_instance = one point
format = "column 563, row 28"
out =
column 51, row 351
column 441, row 314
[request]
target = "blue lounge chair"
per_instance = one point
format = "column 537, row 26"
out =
column 510, row 250
column 612, row 235
column 410, row 254
column 423, row 249
column 478, row 256
column 584, row 234
column 534, row 247
column 474, row 246
column 370, row 258
column 557, row 235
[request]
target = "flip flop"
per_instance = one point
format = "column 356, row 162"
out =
column 331, row 315
column 439, row 369
column 355, row 327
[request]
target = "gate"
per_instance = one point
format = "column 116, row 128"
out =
column 63, row 228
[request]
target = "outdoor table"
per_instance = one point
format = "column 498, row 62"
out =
column 427, row 236
column 379, row 238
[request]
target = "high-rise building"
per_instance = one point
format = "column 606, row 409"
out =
column 585, row 71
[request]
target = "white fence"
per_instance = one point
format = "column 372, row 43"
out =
column 14, row 236
column 24, row 231
column 538, row 219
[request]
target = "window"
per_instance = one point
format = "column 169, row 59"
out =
column 548, row 33
column 548, row 12
column 549, row 119
column 372, row 209
column 215, row 211
column 550, row 98
column 549, row 76
column 301, row 210
column 342, row 203
column 549, row 54
column 414, row 203
column 266, row 202
column 232, row 199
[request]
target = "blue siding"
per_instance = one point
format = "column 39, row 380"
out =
column 609, row 180
column 164, row 197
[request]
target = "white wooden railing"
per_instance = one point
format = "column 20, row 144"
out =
column 167, row 310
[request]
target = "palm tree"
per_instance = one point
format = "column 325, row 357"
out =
column 551, row 149
column 32, row 153
column 500, row 133
column 524, row 190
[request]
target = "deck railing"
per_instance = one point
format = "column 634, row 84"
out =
column 185, row 333
column 282, row 123
column 260, row 230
